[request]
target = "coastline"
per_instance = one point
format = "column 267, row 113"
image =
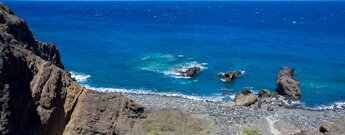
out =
column 39, row 97
column 230, row 119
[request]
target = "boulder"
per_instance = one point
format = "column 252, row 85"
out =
column 264, row 93
column 229, row 76
column 245, row 99
column 325, row 127
column 190, row 72
column 246, row 91
column 286, row 85
column 265, row 101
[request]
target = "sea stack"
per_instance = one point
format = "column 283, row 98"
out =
column 286, row 85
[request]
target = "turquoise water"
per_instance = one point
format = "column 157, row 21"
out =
column 138, row 46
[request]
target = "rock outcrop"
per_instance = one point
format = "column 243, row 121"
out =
column 286, row 85
column 104, row 113
column 256, row 101
column 38, row 97
column 265, row 93
column 245, row 98
column 229, row 76
column 190, row 72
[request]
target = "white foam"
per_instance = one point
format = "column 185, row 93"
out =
column 243, row 72
column 232, row 97
column 80, row 77
column 215, row 98
column 299, row 104
column 223, row 80
column 174, row 70
column 335, row 105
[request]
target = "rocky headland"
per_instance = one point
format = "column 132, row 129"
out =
column 38, row 97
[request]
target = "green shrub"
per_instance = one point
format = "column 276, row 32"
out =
column 250, row 131
column 155, row 132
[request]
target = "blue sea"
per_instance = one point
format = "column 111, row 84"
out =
column 138, row 46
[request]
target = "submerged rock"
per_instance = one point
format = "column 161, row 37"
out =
column 190, row 72
column 229, row 76
column 286, row 85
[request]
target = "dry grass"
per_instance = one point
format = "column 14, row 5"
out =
column 176, row 122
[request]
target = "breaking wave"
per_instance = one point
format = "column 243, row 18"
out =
column 80, row 77
column 332, row 106
column 83, row 78
column 214, row 98
column 168, row 64
column 174, row 70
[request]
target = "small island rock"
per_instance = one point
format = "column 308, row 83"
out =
column 190, row 72
column 229, row 76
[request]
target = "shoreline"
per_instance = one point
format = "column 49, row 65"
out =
column 229, row 119
column 217, row 99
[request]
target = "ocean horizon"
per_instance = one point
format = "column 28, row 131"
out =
column 138, row 47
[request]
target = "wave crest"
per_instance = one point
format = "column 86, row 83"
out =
column 168, row 64
column 332, row 106
column 80, row 77
column 215, row 98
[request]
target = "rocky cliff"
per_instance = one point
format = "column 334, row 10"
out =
column 38, row 97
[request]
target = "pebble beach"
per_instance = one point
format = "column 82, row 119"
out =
column 229, row 119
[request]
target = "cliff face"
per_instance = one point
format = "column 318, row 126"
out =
column 38, row 97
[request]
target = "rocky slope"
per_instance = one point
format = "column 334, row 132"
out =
column 38, row 97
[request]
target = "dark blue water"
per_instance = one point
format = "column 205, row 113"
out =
column 137, row 46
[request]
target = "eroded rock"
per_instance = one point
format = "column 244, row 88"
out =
column 286, row 85
column 245, row 98
column 38, row 97
column 325, row 127
column 264, row 93
column 190, row 72
column 229, row 76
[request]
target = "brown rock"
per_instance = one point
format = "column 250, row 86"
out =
column 38, row 97
column 104, row 113
column 245, row 99
column 325, row 127
column 190, row 72
column 246, row 91
column 229, row 76
column 264, row 93
column 287, row 85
